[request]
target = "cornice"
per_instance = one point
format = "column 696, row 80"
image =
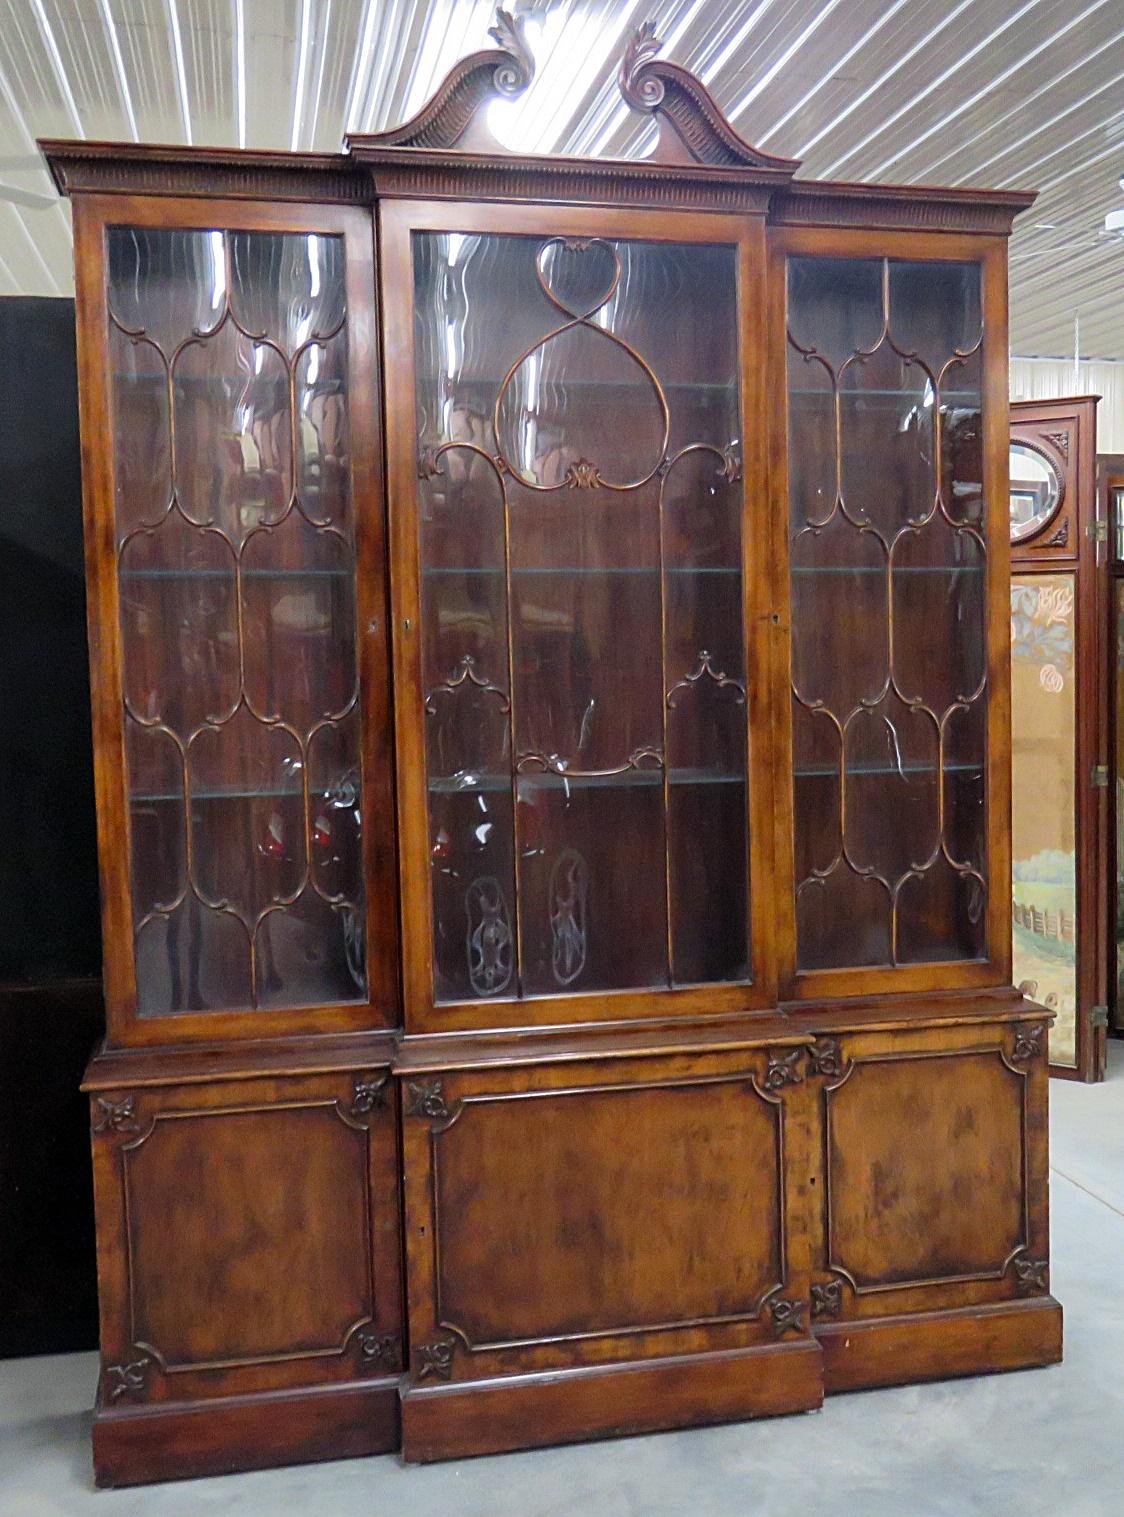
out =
column 129, row 168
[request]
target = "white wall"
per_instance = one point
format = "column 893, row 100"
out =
column 1051, row 378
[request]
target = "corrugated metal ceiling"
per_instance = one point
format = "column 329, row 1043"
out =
column 1003, row 93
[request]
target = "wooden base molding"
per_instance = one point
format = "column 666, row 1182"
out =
column 980, row 1340
column 179, row 1440
column 608, row 1401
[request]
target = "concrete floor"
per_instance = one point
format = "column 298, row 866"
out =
column 1041, row 1442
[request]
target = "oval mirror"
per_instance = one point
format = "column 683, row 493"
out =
column 1036, row 491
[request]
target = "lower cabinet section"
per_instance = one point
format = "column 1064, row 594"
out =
column 605, row 1246
column 930, row 1237
column 601, row 1236
column 249, row 1272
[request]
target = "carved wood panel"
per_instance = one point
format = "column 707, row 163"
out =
column 248, row 1234
column 894, row 1230
column 599, row 1212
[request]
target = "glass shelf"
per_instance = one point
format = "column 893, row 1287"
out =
column 882, row 568
column 501, row 783
column 144, row 798
column 861, row 770
column 641, row 385
column 228, row 574
column 436, row 572
column 948, row 397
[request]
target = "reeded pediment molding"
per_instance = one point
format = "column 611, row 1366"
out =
column 452, row 117
column 692, row 127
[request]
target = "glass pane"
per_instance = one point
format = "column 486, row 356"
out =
column 235, row 541
column 580, row 513
column 1044, row 799
column 888, row 567
column 1036, row 491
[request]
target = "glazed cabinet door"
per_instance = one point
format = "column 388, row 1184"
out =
column 897, row 538
column 234, row 507
column 575, row 589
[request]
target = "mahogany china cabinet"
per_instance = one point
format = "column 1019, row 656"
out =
column 1058, row 720
column 550, row 658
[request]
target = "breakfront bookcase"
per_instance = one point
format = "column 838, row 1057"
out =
column 550, row 657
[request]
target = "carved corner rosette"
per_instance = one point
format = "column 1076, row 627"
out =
column 787, row 1314
column 126, row 1380
column 827, row 1298
column 379, row 1351
column 784, row 1069
column 1060, row 538
column 1060, row 440
column 368, row 1094
column 118, row 1116
column 1031, row 1276
column 1029, row 1042
column 426, row 1098
column 826, row 1057
column 434, row 1361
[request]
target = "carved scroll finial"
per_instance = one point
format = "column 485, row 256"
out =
column 454, row 116
column 692, row 127
column 643, row 92
column 515, row 73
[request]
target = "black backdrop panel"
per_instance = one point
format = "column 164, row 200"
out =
column 50, row 1005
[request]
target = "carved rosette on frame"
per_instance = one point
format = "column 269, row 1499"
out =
column 434, row 1360
column 128, row 1380
column 827, row 1298
column 426, row 1098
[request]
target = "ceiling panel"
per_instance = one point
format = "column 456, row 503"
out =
column 1006, row 93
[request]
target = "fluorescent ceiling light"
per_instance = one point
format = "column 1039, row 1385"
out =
column 119, row 67
column 56, row 63
column 181, row 70
column 302, row 73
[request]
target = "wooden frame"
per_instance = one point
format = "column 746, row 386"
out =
column 1064, row 431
